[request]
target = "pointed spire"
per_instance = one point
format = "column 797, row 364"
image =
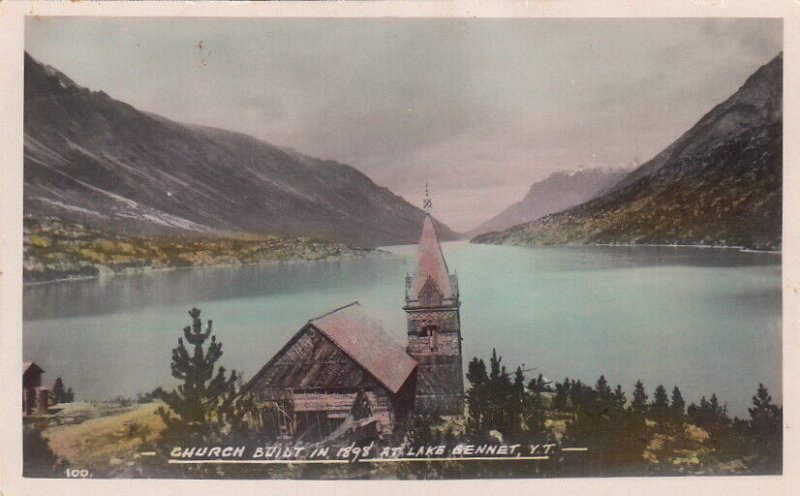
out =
column 430, row 263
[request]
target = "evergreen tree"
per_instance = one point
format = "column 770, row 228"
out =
column 518, row 404
column 693, row 411
column 639, row 402
column 60, row 395
column 499, row 393
column 619, row 398
column 677, row 407
column 766, row 424
column 613, row 434
column 718, row 413
column 476, row 397
column 709, row 415
column 519, row 382
column 203, row 403
column 58, row 391
column 498, row 402
column 603, row 389
column 538, row 385
column 496, row 370
column 660, row 407
column 560, row 398
column 764, row 414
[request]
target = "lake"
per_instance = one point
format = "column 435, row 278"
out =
column 706, row 320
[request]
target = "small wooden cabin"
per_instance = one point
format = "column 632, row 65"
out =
column 340, row 375
column 32, row 391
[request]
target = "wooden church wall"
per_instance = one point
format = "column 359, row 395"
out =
column 312, row 362
column 313, row 381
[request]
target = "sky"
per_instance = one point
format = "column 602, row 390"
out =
column 478, row 108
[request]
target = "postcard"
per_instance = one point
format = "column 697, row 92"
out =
column 413, row 247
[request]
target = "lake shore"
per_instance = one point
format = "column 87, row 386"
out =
column 108, row 273
column 55, row 251
column 742, row 249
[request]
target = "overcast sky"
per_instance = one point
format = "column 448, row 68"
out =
column 479, row 108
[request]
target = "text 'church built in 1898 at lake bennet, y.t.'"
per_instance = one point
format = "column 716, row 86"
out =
column 343, row 376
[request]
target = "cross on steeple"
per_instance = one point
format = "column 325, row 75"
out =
column 426, row 203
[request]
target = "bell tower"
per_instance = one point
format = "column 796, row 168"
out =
column 434, row 327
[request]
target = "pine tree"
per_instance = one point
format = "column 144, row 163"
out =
column 764, row 413
column 203, row 403
column 709, row 415
column 562, row 395
column 538, row 385
column 519, row 382
column 766, row 424
column 58, row 391
column 603, row 389
column 518, row 403
column 660, row 406
column 476, row 397
column 677, row 407
column 619, row 398
column 639, row 402
column 499, row 394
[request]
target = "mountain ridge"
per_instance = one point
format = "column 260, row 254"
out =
column 97, row 161
column 718, row 184
column 559, row 190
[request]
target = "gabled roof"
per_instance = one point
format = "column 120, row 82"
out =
column 430, row 263
column 31, row 366
column 364, row 340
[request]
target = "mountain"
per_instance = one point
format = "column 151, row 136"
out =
column 718, row 184
column 96, row 161
column 560, row 190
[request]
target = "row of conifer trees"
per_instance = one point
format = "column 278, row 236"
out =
column 616, row 430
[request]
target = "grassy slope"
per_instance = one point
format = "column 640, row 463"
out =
column 107, row 438
column 56, row 250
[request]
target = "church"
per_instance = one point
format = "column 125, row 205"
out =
column 343, row 376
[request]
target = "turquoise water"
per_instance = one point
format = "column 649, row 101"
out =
column 706, row 320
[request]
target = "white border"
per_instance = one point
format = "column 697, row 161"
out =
column 12, row 18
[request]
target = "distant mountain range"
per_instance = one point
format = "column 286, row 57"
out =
column 718, row 184
column 96, row 161
column 560, row 190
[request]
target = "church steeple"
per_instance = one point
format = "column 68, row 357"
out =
column 434, row 326
column 432, row 278
column 432, row 272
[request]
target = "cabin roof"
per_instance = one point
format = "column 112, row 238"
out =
column 32, row 367
column 363, row 339
column 430, row 263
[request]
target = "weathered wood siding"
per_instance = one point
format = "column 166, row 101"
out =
column 315, row 385
column 313, row 362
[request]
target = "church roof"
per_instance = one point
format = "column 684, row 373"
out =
column 430, row 263
column 364, row 340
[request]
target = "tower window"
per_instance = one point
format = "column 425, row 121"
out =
column 432, row 332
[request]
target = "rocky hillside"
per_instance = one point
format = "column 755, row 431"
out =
column 560, row 190
column 718, row 184
column 56, row 250
column 92, row 160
